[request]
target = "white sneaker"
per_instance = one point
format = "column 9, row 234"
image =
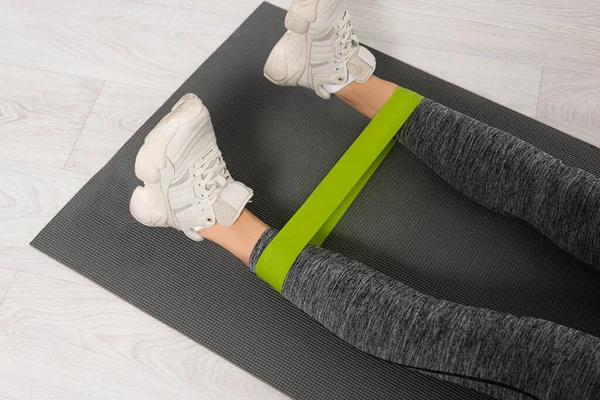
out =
column 320, row 48
column 186, row 182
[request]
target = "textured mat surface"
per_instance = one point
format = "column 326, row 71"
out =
column 407, row 223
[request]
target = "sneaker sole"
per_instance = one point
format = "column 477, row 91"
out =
column 148, row 203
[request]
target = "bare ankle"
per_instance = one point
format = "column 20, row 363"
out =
column 240, row 238
column 369, row 97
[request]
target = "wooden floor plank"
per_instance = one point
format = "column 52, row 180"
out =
column 124, row 41
column 117, row 114
column 42, row 113
column 6, row 278
column 30, row 195
column 65, row 340
column 547, row 33
column 513, row 85
column 570, row 101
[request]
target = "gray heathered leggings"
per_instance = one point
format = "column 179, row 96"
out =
column 498, row 354
column 509, row 176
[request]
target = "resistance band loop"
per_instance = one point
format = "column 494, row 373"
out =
column 327, row 204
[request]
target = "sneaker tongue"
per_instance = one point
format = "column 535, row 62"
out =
column 231, row 202
column 362, row 64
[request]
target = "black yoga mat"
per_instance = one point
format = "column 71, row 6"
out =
column 407, row 223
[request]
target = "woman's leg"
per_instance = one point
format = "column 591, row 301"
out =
column 239, row 239
column 369, row 97
column 499, row 171
column 495, row 353
column 492, row 167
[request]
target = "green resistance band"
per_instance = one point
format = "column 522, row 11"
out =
column 317, row 217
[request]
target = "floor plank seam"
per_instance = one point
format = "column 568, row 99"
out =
column 8, row 289
column 97, row 78
column 89, row 283
column 537, row 107
column 84, row 124
column 487, row 57
column 50, row 71
column 82, row 174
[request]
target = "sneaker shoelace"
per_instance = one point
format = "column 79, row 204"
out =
column 348, row 38
column 208, row 173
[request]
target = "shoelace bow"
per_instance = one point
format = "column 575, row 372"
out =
column 207, row 172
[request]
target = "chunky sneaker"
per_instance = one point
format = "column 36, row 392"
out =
column 186, row 182
column 320, row 48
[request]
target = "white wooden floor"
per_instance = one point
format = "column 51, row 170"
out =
column 78, row 77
